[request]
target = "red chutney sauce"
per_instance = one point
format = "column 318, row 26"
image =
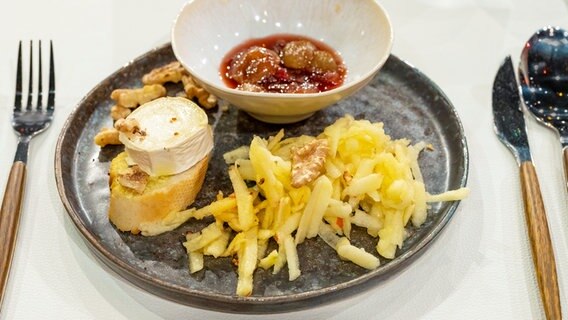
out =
column 283, row 63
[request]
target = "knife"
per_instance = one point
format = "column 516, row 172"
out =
column 511, row 130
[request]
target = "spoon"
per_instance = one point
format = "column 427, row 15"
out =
column 543, row 74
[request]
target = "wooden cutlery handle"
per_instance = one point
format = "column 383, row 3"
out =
column 9, row 220
column 541, row 245
column 565, row 161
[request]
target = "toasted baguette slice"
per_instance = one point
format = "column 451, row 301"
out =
column 162, row 195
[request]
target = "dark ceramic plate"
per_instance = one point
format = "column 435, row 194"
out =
column 407, row 102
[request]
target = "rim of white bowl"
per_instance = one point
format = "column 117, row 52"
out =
column 340, row 88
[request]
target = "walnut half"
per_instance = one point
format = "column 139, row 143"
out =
column 308, row 162
column 130, row 127
column 133, row 178
column 193, row 90
column 171, row 72
column 119, row 112
column 132, row 98
column 107, row 136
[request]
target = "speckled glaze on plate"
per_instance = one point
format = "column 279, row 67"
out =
column 407, row 102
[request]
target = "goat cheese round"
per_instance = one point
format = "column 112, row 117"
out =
column 173, row 134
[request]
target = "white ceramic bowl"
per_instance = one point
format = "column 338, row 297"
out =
column 205, row 30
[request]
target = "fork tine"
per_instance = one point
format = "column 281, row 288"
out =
column 39, row 81
column 18, row 99
column 30, row 81
column 51, row 95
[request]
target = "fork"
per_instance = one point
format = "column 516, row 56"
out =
column 27, row 121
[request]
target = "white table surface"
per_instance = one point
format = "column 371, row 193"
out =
column 479, row 268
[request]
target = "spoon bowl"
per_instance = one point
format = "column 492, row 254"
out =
column 543, row 73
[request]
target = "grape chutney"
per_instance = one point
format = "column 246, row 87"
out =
column 283, row 63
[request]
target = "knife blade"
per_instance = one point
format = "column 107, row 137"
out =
column 507, row 112
column 509, row 124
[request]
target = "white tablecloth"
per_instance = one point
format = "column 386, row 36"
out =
column 479, row 268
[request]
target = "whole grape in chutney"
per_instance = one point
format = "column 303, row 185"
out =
column 283, row 63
